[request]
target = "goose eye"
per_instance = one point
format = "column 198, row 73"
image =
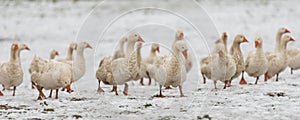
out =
column 66, row 82
column 135, row 35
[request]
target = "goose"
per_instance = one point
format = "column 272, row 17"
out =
column 120, row 53
column 206, row 60
column 293, row 57
column 53, row 75
column 149, row 60
column 222, row 65
column 126, row 69
column 104, row 74
column 35, row 64
column 171, row 69
column 278, row 60
column 237, row 55
column 11, row 74
column 256, row 62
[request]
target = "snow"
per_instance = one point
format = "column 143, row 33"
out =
column 44, row 26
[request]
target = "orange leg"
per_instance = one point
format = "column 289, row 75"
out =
column 180, row 90
column 1, row 94
column 125, row 91
column 50, row 95
column 243, row 81
column 160, row 93
column 142, row 81
column 100, row 90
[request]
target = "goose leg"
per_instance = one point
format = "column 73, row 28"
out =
column 215, row 84
column 266, row 77
column 242, row 81
column 149, row 78
column 277, row 77
column 204, row 79
column 114, row 89
column 180, row 90
column 14, row 91
column 291, row 70
column 3, row 88
column 50, row 95
column 41, row 94
column 32, row 85
column 56, row 96
column 100, row 90
column 125, row 91
column 160, row 93
column 225, row 83
column 256, row 79
column 142, row 81
column 1, row 94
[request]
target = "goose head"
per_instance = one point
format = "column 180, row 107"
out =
column 67, row 84
column 240, row 39
column 14, row 47
column 23, row 46
column 73, row 46
column 224, row 36
column 84, row 45
column 258, row 42
column 181, row 47
column 179, row 34
column 54, row 53
column 124, row 40
column 283, row 30
column 155, row 47
column 135, row 37
column 287, row 38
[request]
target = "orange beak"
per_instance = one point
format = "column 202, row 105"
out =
column 140, row 39
column 16, row 47
column 56, row 53
column 181, row 36
column 292, row 39
column 89, row 46
column 220, row 54
column 287, row 31
column 256, row 44
column 157, row 49
column 245, row 40
column 185, row 54
column 27, row 48
column 225, row 34
column 68, row 87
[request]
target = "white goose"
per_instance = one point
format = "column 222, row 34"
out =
column 11, row 74
column 222, row 66
column 149, row 60
column 38, row 62
column 55, row 74
column 126, row 69
column 204, row 61
column 278, row 60
column 237, row 55
column 256, row 62
column 120, row 53
column 172, row 72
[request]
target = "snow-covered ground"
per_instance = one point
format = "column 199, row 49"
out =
column 44, row 26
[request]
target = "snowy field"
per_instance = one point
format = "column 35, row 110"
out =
column 44, row 26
